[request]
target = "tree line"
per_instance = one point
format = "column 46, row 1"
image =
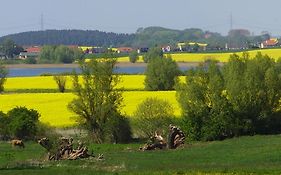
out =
column 143, row 37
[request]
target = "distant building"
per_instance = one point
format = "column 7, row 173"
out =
column 272, row 42
column 166, row 48
column 3, row 56
column 182, row 46
column 143, row 50
column 30, row 52
column 124, row 50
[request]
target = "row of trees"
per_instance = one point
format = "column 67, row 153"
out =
column 59, row 54
column 240, row 98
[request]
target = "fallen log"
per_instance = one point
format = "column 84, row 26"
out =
column 63, row 150
column 176, row 138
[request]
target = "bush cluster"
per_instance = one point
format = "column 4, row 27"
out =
column 240, row 98
column 19, row 122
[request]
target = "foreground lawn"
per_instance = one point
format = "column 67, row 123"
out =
column 53, row 106
column 245, row 155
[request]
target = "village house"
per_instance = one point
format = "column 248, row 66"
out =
column 30, row 52
column 166, row 48
column 272, row 42
column 124, row 50
column 3, row 56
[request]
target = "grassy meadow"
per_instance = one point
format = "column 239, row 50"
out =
column 244, row 155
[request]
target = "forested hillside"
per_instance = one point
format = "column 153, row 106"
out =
column 144, row 37
column 70, row 37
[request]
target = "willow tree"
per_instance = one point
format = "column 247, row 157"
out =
column 98, row 103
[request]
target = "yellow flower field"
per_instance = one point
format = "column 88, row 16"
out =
column 128, row 82
column 222, row 57
column 53, row 106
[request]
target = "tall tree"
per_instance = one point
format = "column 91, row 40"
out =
column 10, row 48
column 3, row 76
column 161, row 73
column 97, row 101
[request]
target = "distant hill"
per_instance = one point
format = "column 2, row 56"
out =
column 144, row 37
column 70, row 37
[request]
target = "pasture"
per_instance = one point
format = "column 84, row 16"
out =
column 244, row 155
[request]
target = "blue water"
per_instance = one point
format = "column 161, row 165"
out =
column 29, row 72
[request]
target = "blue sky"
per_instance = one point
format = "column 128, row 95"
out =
column 126, row 16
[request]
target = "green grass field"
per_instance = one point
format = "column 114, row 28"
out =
column 244, row 155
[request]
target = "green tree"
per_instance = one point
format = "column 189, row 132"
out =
column 47, row 54
column 152, row 53
column 97, row 101
column 253, row 87
column 152, row 115
column 3, row 76
column 64, row 54
column 161, row 73
column 61, row 82
column 133, row 56
column 23, row 122
column 77, row 54
column 4, row 130
column 207, row 115
column 242, row 98
column 10, row 48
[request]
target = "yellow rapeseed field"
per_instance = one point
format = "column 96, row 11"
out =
column 128, row 82
column 222, row 57
column 53, row 106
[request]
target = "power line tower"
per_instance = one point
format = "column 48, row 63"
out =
column 231, row 21
column 42, row 22
column 229, row 44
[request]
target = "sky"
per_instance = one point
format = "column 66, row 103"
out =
column 126, row 16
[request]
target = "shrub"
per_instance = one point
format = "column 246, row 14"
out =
column 242, row 98
column 61, row 82
column 133, row 56
column 30, row 61
column 161, row 74
column 118, row 130
column 4, row 132
column 23, row 122
column 152, row 115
